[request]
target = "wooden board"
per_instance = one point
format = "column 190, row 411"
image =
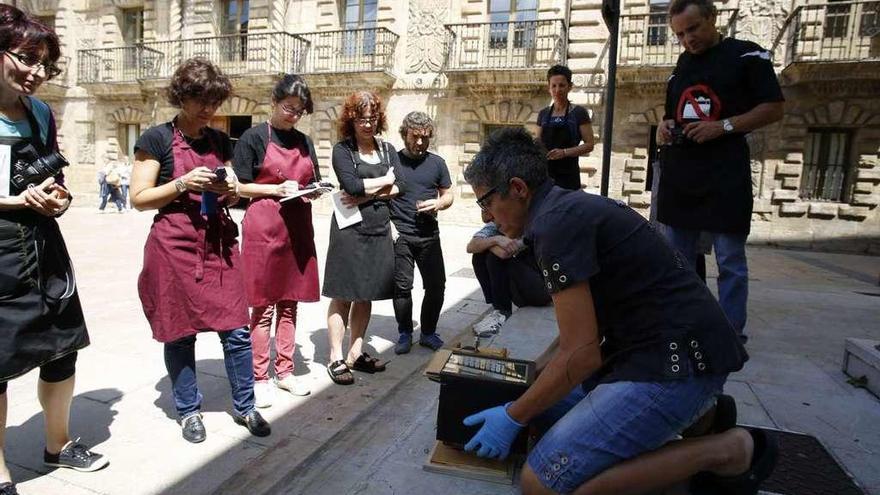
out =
column 444, row 459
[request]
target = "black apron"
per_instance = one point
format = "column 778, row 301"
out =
column 558, row 132
column 41, row 319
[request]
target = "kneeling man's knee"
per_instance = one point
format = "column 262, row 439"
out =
column 530, row 483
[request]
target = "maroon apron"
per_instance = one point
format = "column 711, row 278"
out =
column 280, row 263
column 191, row 281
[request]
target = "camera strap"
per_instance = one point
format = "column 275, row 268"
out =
column 35, row 128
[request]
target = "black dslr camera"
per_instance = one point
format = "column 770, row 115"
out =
column 678, row 136
column 38, row 169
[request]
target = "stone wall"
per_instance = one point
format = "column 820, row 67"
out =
column 465, row 104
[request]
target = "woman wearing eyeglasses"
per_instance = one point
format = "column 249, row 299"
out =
column 360, row 258
column 191, row 282
column 41, row 320
column 274, row 160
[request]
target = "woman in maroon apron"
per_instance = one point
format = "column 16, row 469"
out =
column 273, row 160
column 41, row 321
column 191, row 281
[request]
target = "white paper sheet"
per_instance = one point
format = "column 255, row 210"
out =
column 5, row 169
column 346, row 216
column 303, row 192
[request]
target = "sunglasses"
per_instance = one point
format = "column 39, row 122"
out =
column 295, row 112
column 483, row 201
column 33, row 62
column 367, row 120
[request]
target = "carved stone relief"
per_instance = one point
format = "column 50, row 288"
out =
column 426, row 35
column 761, row 20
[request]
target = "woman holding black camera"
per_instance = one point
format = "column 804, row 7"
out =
column 191, row 281
column 41, row 321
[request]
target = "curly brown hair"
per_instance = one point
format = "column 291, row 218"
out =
column 354, row 106
column 197, row 78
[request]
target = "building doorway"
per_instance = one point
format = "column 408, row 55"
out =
column 233, row 125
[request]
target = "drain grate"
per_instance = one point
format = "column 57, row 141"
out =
column 806, row 468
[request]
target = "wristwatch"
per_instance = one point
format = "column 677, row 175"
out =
column 727, row 124
column 180, row 186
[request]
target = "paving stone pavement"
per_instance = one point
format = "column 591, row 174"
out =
column 802, row 306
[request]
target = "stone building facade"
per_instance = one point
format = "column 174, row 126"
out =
column 476, row 65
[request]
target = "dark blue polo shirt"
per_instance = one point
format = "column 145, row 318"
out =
column 657, row 319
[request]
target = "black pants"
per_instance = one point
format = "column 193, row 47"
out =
column 54, row 371
column 514, row 280
column 426, row 253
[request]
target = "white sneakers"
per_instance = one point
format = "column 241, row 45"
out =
column 490, row 325
column 290, row 384
column 264, row 394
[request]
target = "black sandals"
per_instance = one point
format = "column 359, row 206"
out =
column 368, row 364
column 340, row 373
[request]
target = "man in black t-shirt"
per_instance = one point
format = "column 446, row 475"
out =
column 414, row 213
column 721, row 89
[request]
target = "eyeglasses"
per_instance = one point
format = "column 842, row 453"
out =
column 483, row 201
column 33, row 62
column 295, row 112
column 366, row 120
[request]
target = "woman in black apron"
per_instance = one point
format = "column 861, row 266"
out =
column 41, row 321
column 562, row 127
column 360, row 258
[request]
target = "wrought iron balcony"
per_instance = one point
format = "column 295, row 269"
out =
column 505, row 45
column 235, row 55
column 831, row 32
column 647, row 39
column 350, row 50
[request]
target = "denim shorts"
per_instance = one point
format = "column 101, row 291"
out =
column 595, row 428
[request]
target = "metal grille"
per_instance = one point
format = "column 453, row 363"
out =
column 645, row 39
column 835, row 31
column 505, row 45
column 826, row 164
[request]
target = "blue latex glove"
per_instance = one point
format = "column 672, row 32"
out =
column 498, row 432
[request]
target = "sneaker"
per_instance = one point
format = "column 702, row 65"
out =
column 490, row 325
column 254, row 422
column 263, row 394
column 75, row 456
column 292, row 385
column 193, row 429
column 8, row 489
column 404, row 343
column 431, row 341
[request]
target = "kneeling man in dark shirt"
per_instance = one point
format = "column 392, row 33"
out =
column 643, row 348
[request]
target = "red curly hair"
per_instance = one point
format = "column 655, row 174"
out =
column 354, row 106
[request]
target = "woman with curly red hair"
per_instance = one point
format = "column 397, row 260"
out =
column 191, row 282
column 360, row 258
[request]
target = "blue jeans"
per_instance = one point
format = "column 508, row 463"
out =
column 110, row 192
column 180, row 361
column 596, row 427
column 733, row 271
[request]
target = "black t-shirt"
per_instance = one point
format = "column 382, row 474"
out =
column 708, row 186
column 423, row 177
column 351, row 170
column 251, row 150
column 649, row 304
column 157, row 142
column 563, row 131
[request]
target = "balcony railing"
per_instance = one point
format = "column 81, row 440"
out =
column 647, row 39
column 238, row 54
column 350, row 50
column 836, row 31
column 506, row 45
